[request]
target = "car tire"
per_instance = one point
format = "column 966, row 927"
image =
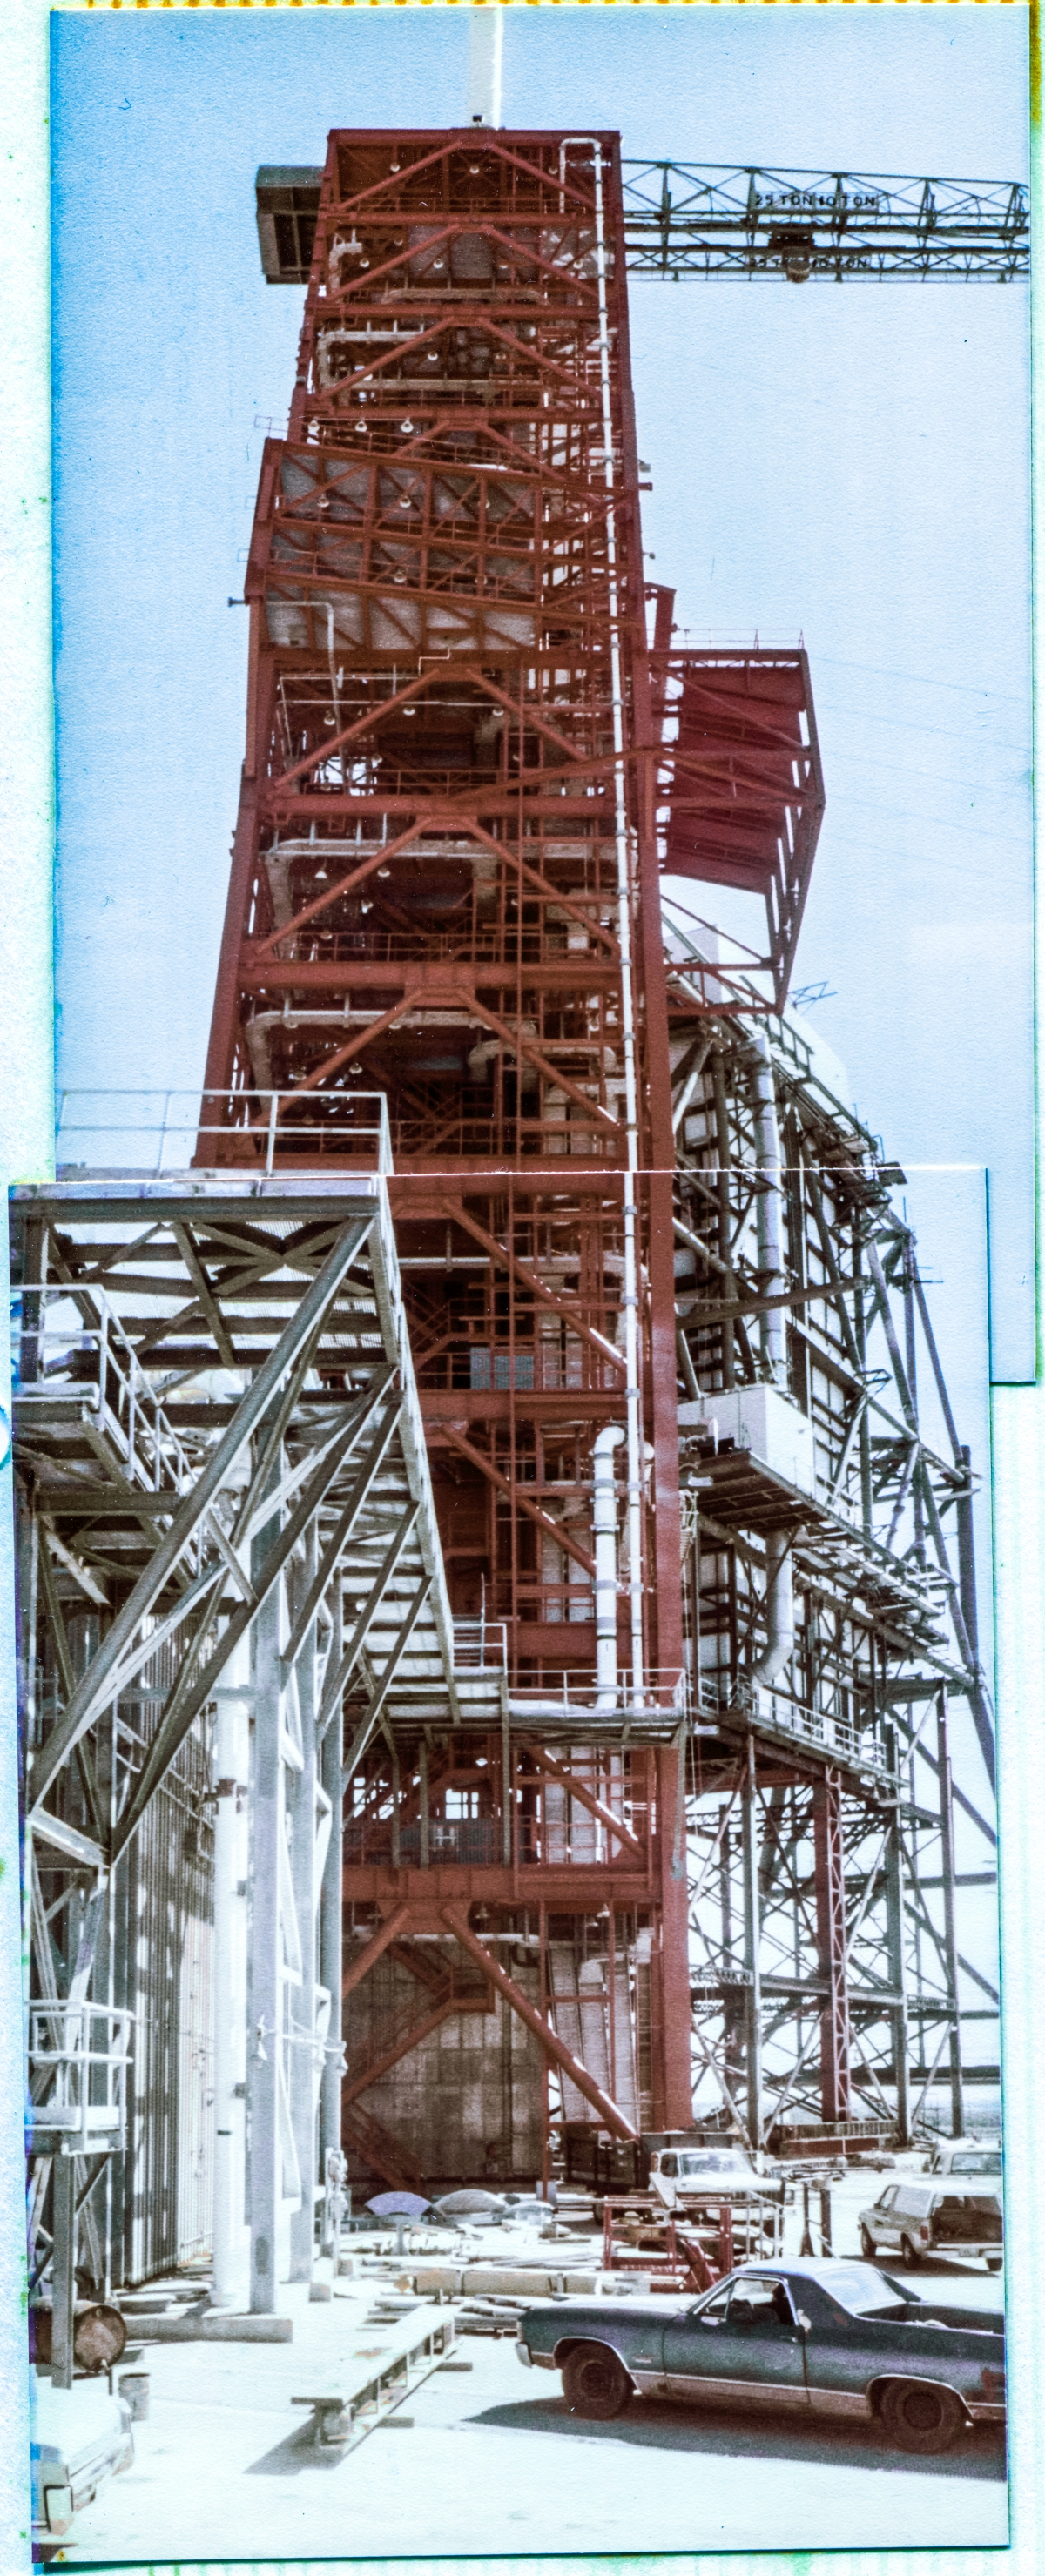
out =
column 920, row 2417
column 909, row 2257
column 994, row 2262
column 596, row 2384
column 866, row 2245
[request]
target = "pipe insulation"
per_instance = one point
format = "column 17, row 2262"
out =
column 231, row 2250
column 772, row 1328
column 780, row 1609
column 605, row 1525
column 630, row 1296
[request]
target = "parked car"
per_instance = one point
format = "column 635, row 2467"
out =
column 915, row 2219
column 692, row 2178
column 80, row 2437
column 820, row 2338
column 965, row 2156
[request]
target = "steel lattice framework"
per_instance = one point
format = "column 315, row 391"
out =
column 691, row 219
column 445, row 881
column 703, row 219
column 357, row 1579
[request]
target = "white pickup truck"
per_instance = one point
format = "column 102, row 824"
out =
column 935, row 2215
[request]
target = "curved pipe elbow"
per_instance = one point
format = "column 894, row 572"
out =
column 780, row 1610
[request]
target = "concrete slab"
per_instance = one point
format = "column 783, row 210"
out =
column 494, row 2466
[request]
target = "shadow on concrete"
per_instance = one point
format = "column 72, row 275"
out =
column 655, row 2424
column 298, row 2451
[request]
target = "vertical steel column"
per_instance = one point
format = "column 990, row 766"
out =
column 507, row 1794
column 725, row 1223
column 896, row 1950
column 330, row 1904
column 423, row 1806
column 967, row 1556
column 752, row 1946
column 266, row 2042
column 231, row 1843
column 860, row 1336
column 943, row 1757
column 63, row 2269
column 829, row 1869
column 303, row 1999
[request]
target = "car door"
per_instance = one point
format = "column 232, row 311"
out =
column 740, row 2348
column 884, row 2228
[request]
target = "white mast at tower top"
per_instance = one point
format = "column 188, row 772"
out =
column 485, row 54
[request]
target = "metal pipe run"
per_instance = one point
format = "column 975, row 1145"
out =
column 624, row 873
column 231, row 1832
column 767, row 1209
column 780, row 1609
column 605, row 1525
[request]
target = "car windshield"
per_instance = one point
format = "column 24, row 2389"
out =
column 861, row 2291
column 713, row 2163
column 976, row 2160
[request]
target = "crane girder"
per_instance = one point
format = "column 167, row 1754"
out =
column 710, row 219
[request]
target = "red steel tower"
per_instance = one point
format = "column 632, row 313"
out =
column 445, row 887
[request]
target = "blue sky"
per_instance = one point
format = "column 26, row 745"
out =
column 850, row 464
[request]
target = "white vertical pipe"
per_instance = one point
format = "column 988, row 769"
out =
column 767, row 1208
column 485, row 60
column 231, row 2268
column 605, row 1524
column 631, row 1107
column 780, row 1608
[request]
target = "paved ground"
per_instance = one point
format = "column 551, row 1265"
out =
column 493, row 2462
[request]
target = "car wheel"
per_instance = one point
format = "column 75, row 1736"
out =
column 994, row 2262
column 596, row 2383
column 866, row 2245
column 920, row 2417
column 908, row 2254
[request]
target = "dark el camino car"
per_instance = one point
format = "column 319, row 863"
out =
column 825, row 2338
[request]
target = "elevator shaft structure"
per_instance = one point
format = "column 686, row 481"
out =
column 445, row 883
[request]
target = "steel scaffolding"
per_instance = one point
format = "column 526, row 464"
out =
column 495, row 1549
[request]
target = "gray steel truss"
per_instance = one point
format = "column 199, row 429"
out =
column 226, row 1522
column 831, row 1608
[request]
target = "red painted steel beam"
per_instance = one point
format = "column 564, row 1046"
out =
column 424, row 891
